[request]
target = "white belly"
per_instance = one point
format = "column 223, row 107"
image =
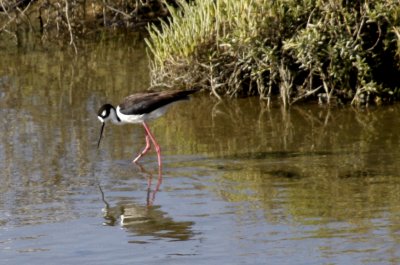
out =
column 142, row 117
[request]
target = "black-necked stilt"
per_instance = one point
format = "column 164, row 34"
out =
column 139, row 108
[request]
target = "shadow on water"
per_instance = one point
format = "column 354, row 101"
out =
column 274, row 155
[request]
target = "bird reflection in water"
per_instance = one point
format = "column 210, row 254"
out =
column 142, row 220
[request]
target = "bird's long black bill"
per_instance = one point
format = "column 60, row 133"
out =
column 101, row 134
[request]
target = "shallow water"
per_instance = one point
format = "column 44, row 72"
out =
column 242, row 184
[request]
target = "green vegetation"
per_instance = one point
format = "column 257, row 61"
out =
column 334, row 51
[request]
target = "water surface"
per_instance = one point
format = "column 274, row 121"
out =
column 242, row 183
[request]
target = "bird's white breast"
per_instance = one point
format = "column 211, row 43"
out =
column 139, row 118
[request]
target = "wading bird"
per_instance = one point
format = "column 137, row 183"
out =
column 139, row 108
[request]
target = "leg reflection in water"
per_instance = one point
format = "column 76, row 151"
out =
column 111, row 214
column 151, row 194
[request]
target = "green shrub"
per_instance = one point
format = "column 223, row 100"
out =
column 343, row 50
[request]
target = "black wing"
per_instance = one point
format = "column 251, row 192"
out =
column 143, row 103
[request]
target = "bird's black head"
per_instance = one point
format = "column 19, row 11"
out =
column 103, row 115
column 104, row 112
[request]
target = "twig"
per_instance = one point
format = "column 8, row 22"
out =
column 4, row 9
column 305, row 95
column 377, row 40
column 6, row 24
column 70, row 28
column 117, row 11
column 213, row 85
column 22, row 12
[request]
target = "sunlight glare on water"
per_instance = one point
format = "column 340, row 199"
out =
column 242, row 183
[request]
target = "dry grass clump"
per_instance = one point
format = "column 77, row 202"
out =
column 337, row 51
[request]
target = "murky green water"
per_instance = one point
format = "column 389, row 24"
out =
column 243, row 184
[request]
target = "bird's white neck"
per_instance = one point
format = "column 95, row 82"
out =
column 114, row 117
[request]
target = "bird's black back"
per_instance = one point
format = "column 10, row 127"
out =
column 143, row 103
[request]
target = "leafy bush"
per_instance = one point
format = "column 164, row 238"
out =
column 337, row 51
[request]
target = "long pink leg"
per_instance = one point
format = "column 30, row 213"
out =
column 147, row 148
column 157, row 147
